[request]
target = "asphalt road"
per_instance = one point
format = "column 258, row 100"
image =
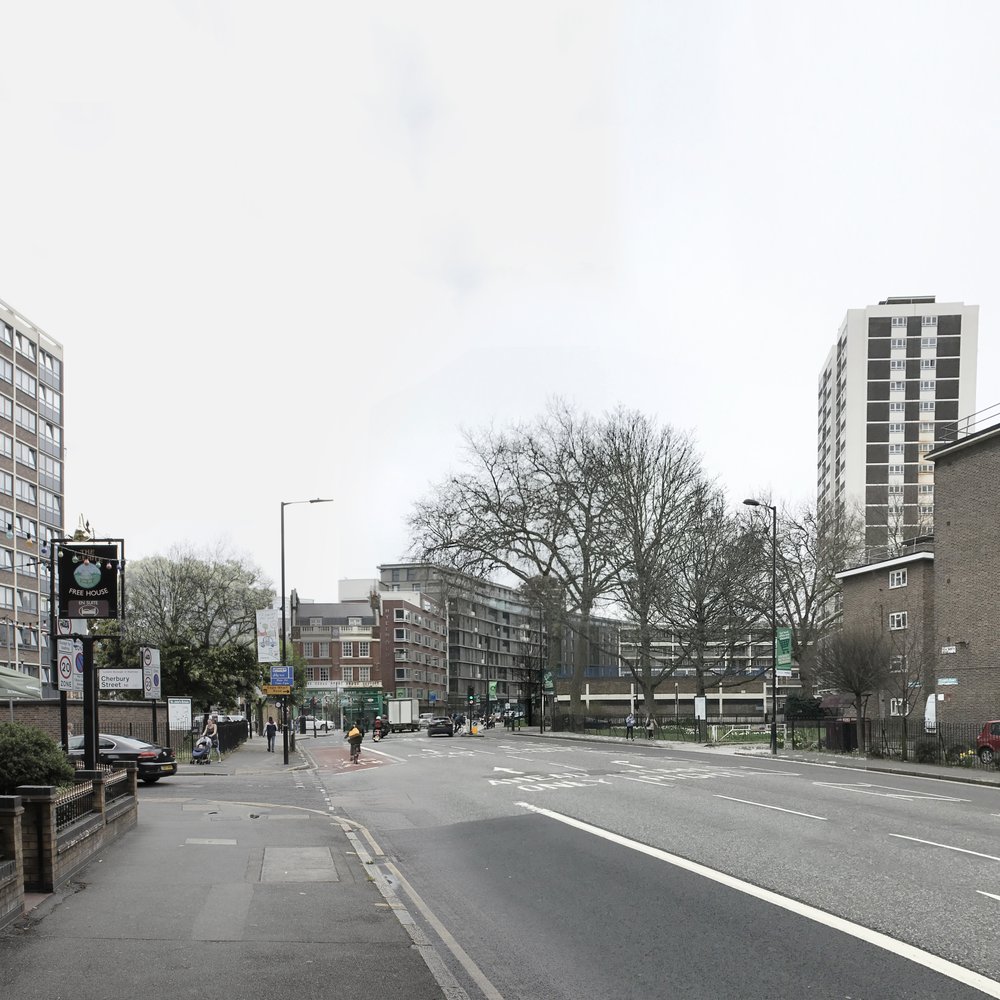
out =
column 552, row 869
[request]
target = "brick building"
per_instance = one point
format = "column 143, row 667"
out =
column 967, row 566
column 415, row 652
column 941, row 607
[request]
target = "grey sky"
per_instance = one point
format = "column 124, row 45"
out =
column 292, row 249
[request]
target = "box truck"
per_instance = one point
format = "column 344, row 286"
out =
column 404, row 714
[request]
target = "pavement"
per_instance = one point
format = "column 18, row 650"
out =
column 238, row 880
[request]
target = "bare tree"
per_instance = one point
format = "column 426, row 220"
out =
column 854, row 661
column 712, row 606
column 653, row 480
column 813, row 546
column 533, row 505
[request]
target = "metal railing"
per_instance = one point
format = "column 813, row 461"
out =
column 74, row 805
column 117, row 786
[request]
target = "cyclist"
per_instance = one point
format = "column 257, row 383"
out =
column 354, row 737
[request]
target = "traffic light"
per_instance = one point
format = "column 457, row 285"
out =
column 472, row 695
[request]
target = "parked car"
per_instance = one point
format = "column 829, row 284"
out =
column 424, row 720
column 440, row 725
column 988, row 742
column 153, row 762
column 321, row 725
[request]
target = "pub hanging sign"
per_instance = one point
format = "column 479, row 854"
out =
column 88, row 581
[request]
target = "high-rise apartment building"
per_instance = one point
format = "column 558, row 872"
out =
column 898, row 374
column 31, row 499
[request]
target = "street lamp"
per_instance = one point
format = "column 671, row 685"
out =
column 774, row 619
column 284, row 701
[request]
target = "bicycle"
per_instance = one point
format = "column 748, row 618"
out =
column 355, row 752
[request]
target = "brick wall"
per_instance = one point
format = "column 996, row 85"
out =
column 967, row 543
column 123, row 718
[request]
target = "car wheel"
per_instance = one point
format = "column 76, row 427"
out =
column 150, row 781
column 987, row 756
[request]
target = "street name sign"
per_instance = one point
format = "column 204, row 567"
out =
column 120, row 680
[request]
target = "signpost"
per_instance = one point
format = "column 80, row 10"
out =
column 149, row 657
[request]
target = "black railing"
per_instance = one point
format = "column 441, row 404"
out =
column 73, row 806
column 117, row 786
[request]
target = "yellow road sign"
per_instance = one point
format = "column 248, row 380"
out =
column 277, row 689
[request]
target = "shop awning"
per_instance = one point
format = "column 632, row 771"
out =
column 14, row 684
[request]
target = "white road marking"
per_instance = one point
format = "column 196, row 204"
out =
column 508, row 770
column 764, row 805
column 990, row 894
column 210, row 842
column 383, row 753
column 887, row 791
column 917, row 955
column 947, row 847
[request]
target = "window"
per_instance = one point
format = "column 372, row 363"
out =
column 897, row 407
column 897, row 620
column 25, row 418
column 365, row 675
column 898, row 343
column 27, row 601
column 897, row 386
column 6, row 597
column 895, row 470
column 899, row 321
column 348, row 675
column 897, row 578
column 26, row 383
column 925, row 446
column 307, row 650
column 6, row 371
column 896, row 428
column 896, row 490
column 26, row 492
column 401, row 635
column 925, row 489
column 399, row 615
column 6, row 483
column 26, row 455
column 927, row 427
column 7, row 334
column 926, row 406
column 928, row 342
column 928, row 364
column 395, row 576
column 354, row 623
column 925, row 508
column 315, row 622
column 897, row 706
column 897, row 365
column 927, row 385
column 402, row 654
column 347, row 649
column 6, row 559
column 895, row 449
column 364, row 650
column 926, row 467
column 323, row 651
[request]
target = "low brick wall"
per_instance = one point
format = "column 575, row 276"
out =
column 11, row 860
column 53, row 853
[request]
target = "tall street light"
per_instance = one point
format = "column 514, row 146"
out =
column 284, row 701
column 774, row 619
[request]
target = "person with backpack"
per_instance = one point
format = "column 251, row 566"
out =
column 354, row 736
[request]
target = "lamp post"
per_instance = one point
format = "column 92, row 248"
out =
column 774, row 619
column 284, row 701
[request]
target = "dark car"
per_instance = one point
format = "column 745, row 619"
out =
column 988, row 744
column 153, row 762
column 440, row 725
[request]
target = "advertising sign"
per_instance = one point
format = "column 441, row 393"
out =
column 783, row 647
column 88, row 581
column 118, row 679
column 268, row 632
column 548, row 684
column 150, row 659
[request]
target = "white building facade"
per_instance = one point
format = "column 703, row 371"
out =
column 899, row 374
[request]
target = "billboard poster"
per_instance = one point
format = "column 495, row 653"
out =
column 267, row 635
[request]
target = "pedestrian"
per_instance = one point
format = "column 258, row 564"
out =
column 270, row 731
column 630, row 726
column 650, row 726
column 212, row 732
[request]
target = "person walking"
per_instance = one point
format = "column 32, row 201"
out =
column 212, row 732
column 650, row 726
column 630, row 726
column 270, row 731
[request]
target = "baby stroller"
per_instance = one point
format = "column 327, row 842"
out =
column 201, row 752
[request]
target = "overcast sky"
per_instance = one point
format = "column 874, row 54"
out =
column 293, row 249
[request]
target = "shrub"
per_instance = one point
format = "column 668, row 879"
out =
column 29, row 757
column 927, row 752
